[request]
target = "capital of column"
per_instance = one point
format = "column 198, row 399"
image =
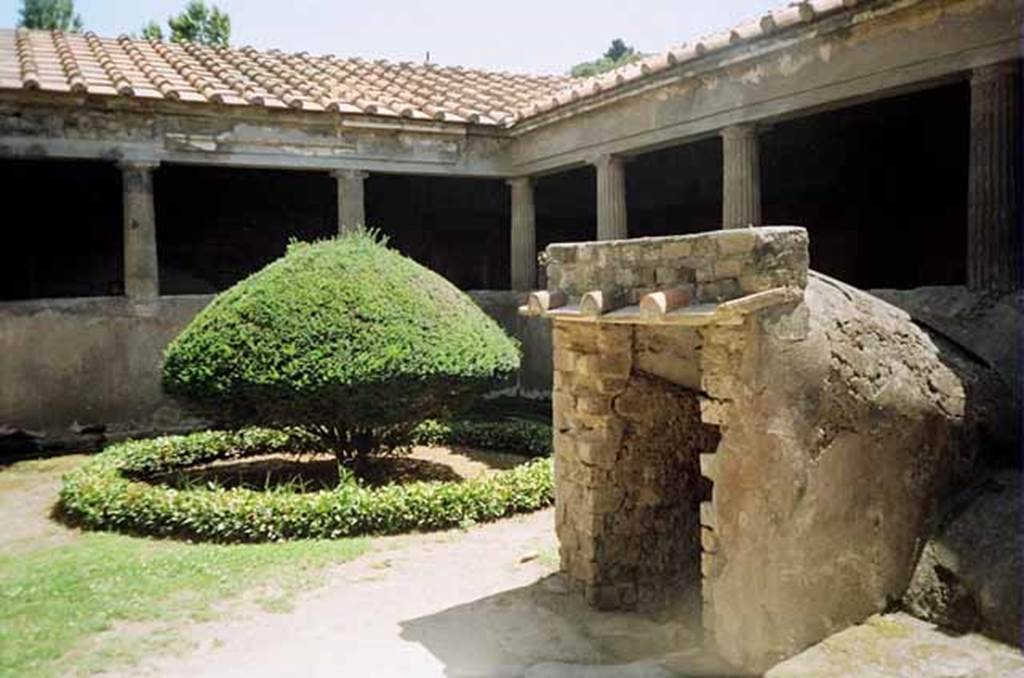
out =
column 739, row 132
column 606, row 160
column 137, row 164
column 349, row 174
column 996, row 71
column 520, row 182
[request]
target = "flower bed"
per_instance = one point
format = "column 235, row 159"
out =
column 111, row 492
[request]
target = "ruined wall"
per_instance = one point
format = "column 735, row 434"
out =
column 627, row 468
column 74, row 369
column 718, row 266
column 827, row 427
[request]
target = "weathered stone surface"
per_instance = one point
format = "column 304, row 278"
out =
column 724, row 263
column 819, row 437
column 899, row 646
column 968, row 576
column 842, row 432
column 627, row 450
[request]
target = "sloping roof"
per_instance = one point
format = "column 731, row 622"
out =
column 770, row 24
column 88, row 64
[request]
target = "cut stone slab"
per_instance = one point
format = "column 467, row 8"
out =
column 898, row 645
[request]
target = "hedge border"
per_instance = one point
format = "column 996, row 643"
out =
column 109, row 491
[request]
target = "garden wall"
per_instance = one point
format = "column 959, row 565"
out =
column 72, row 370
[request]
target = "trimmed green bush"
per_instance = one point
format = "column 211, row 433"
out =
column 527, row 438
column 345, row 338
column 110, row 491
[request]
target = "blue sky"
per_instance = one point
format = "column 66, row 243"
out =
column 541, row 36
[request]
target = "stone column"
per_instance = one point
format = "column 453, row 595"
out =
column 141, row 269
column 611, row 198
column 523, row 256
column 351, row 202
column 741, row 177
column 993, row 238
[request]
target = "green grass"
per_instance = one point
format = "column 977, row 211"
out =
column 55, row 600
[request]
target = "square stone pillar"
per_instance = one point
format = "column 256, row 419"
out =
column 993, row 202
column 141, row 268
column 611, row 198
column 351, row 200
column 741, row 177
column 523, row 255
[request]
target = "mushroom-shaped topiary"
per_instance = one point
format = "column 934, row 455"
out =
column 345, row 338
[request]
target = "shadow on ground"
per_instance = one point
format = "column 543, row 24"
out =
column 546, row 630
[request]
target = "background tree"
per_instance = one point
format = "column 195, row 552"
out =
column 617, row 54
column 198, row 22
column 618, row 50
column 152, row 31
column 50, row 15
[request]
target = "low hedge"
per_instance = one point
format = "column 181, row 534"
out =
column 110, row 492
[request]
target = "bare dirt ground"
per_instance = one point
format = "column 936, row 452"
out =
column 25, row 502
column 486, row 601
column 481, row 602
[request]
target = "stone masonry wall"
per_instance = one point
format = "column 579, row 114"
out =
column 627, row 469
column 718, row 266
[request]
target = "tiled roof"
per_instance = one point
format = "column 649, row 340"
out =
column 771, row 24
column 87, row 64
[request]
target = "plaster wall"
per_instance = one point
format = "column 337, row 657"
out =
column 76, row 368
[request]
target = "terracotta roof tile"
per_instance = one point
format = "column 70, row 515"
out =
column 794, row 14
column 88, row 64
column 244, row 76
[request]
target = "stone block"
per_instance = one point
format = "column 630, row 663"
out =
column 709, row 466
column 666, row 275
column 610, row 385
column 594, row 404
column 728, row 268
column 707, row 515
column 599, row 450
column 678, row 249
column 736, row 241
column 710, row 565
column 708, row 540
column 714, row 412
column 718, row 290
